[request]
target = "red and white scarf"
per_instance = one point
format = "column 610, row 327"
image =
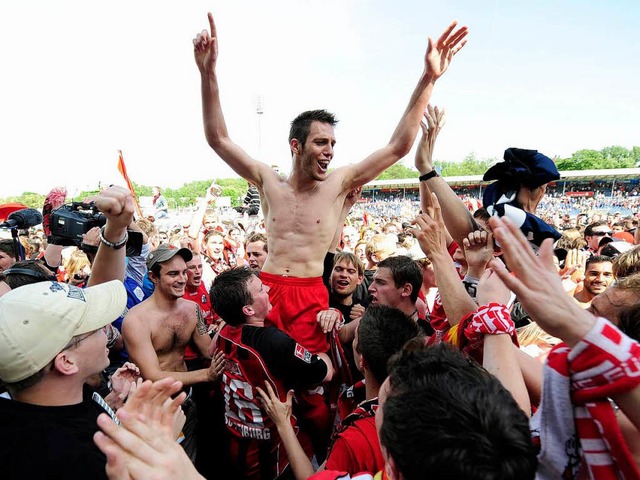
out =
column 576, row 423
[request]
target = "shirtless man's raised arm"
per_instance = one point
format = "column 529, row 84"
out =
column 437, row 60
column 206, row 56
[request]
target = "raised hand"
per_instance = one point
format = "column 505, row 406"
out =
column 478, row 251
column 439, row 54
column 357, row 311
column 278, row 411
column 491, row 289
column 431, row 234
column 116, row 203
column 217, row 366
column 537, row 284
column 123, row 377
column 434, row 120
column 144, row 446
column 205, row 48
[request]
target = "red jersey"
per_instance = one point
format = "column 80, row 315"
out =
column 254, row 435
column 356, row 447
column 201, row 297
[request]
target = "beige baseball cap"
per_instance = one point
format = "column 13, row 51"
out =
column 37, row 321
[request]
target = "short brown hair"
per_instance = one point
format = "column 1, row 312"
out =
column 257, row 237
column 349, row 258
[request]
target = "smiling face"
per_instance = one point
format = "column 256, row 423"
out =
column 173, row 277
column 215, row 246
column 315, row 155
column 598, row 277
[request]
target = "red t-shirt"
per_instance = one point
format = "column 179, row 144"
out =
column 357, row 449
column 201, row 297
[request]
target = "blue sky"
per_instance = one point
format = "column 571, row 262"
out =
column 84, row 79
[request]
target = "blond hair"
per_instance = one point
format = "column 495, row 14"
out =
column 627, row 263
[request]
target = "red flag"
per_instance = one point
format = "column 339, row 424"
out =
column 123, row 171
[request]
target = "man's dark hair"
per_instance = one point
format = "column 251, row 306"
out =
column 257, row 237
column 229, row 294
column 382, row 333
column 588, row 232
column 597, row 259
column 26, row 273
column 302, row 123
column 6, row 246
column 404, row 270
column 447, row 417
column 481, row 214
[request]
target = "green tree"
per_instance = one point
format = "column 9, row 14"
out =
column 470, row 165
column 397, row 171
column 607, row 158
column 30, row 199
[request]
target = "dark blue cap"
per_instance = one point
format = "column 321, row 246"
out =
column 523, row 167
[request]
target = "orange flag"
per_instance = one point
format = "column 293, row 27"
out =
column 123, row 171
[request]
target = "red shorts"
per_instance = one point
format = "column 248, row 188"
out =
column 296, row 302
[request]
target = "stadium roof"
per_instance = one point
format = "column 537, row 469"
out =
column 587, row 175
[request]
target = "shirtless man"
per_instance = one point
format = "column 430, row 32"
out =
column 301, row 211
column 157, row 331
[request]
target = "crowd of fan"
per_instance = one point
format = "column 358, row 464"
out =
column 328, row 339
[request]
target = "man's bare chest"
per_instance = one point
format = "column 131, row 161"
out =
column 170, row 333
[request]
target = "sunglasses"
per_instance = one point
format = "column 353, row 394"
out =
column 602, row 234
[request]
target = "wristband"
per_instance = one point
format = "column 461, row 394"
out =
column 117, row 245
column 428, row 175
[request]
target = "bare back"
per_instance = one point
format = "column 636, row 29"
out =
column 300, row 225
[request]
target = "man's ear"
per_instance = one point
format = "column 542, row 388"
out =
column 407, row 288
column 65, row 363
column 295, row 146
column 360, row 279
column 248, row 310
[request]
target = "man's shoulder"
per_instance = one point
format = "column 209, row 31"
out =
column 256, row 336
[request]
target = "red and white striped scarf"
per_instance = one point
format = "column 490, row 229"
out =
column 577, row 385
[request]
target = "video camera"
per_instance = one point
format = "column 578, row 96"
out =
column 70, row 222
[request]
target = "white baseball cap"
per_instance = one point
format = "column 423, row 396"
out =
column 37, row 321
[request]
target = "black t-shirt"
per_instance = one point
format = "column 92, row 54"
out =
column 286, row 359
column 50, row 442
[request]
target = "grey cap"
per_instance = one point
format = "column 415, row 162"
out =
column 166, row 252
